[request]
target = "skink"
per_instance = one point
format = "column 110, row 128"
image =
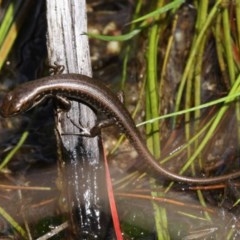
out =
column 65, row 87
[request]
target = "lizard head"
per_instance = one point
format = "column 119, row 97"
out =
column 18, row 101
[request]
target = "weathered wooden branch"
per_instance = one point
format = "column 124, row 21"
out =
column 80, row 158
